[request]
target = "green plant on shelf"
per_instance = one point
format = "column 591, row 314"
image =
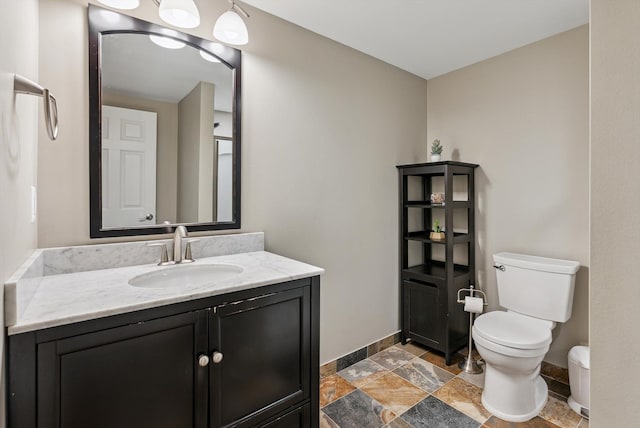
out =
column 436, row 226
column 436, row 147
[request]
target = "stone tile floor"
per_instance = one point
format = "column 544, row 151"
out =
column 406, row 386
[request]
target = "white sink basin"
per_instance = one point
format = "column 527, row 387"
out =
column 185, row 276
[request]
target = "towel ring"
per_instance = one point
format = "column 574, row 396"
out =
column 22, row 85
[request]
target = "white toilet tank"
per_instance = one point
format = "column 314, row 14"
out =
column 539, row 287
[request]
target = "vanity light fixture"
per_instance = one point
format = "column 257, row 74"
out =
column 166, row 42
column 179, row 13
column 121, row 4
column 230, row 28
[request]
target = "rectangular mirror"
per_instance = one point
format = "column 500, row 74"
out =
column 164, row 129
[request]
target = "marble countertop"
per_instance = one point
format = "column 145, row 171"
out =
column 72, row 297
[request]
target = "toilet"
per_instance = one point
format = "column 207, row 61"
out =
column 537, row 292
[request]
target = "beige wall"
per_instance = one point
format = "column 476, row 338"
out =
column 63, row 168
column 615, row 204
column 195, row 155
column 323, row 128
column 19, row 121
column 167, row 149
column 188, row 155
column 205, row 158
column 523, row 116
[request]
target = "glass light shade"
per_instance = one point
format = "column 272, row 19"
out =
column 180, row 13
column 208, row 57
column 166, row 42
column 121, row 4
column 230, row 29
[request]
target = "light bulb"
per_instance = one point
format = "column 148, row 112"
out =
column 180, row 13
column 230, row 28
column 208, row 57
column 121, row 4
column 166, row 42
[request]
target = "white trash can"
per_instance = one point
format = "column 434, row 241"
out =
column 579, row 380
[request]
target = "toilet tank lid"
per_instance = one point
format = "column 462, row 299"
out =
column 537, row 263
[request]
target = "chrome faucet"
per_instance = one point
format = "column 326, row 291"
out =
column 179, row 234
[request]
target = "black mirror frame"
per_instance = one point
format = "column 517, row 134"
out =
column 104, row 21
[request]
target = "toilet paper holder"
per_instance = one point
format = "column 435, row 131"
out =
column 469, row 365
column 472, row 293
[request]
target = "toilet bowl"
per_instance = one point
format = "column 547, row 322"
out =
column 513, row 347
column 537, row 292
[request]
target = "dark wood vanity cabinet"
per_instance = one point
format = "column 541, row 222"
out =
column 145, row 369
column 142, row 374
column 266, row 361
column 433, row 270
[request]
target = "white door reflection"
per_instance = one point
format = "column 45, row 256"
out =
column 128, row 167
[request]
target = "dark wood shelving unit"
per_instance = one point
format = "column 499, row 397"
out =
column 428, row 289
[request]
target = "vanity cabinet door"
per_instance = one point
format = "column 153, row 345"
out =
column 298, row 418
column 140, row 375
column 265, row 368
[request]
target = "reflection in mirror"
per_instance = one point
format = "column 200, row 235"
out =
column 169, row 130
column 169, row 175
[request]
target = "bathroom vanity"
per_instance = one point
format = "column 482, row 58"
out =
column 239, row 351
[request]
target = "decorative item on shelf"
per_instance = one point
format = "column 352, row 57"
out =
column 437, row 198
column 437, row 234
column 436, row 150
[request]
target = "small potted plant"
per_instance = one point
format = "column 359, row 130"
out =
column 437, row 234
column 436, row 150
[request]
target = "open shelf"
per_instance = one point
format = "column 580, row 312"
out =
column 428, row 204
column 434, row 271
column 422, row 236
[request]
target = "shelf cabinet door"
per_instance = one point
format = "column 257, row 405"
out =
column 265, row 369
column 138, row 375
column 422, row 314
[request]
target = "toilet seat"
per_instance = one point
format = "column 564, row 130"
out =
column 505, row 350
column 511, row 330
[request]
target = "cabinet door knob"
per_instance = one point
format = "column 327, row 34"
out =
column 203, row 360
column 216, row 357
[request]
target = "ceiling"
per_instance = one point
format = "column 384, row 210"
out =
column 431, row 37
column 127, row 59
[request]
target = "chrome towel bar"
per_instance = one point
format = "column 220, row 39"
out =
column 22, row 85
